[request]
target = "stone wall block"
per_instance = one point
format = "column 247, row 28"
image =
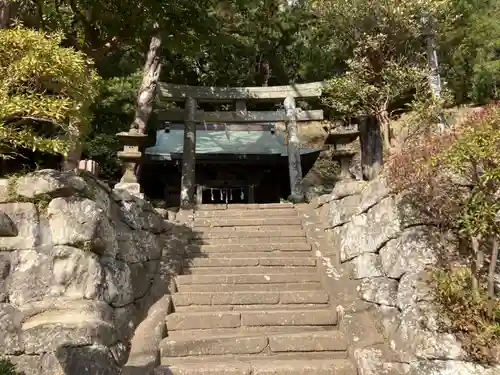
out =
column 118, row 289
column 412, row 251
column 342, row 210
column 7, row 226
column 373, row 193
column 413, row 288
column 138, row 246
column 24, row 217
column 366, row 233
column 4, row 275
column 367, row 265
column 80, row 222
column 62, row 271
column 417, row 336
column 442, row 367
column 77, row 274
column 10, row 330
column 380, row 290
column 49, row 182
column 86, row 360
column 345, row 189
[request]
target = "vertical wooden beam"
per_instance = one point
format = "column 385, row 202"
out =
column 199, row 194
column 189, row 155
column 251, row 194
column 241, row 106
column 294, row 165
column 371, row 147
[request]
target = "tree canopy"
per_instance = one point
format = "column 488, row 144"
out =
column 372, row 52
column 45, row 92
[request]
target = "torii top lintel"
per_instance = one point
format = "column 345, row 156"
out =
column 174, row 92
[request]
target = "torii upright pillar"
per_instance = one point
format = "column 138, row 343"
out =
column 294, row 164
column 189, row 155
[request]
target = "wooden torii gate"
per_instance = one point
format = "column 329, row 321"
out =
column 193, row 95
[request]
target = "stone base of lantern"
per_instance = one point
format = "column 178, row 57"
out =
column 133, row 188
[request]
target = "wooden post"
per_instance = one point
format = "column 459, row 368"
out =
column 371, row 147
column 294, row 165
column 251, row 194
column 199, row 194
column 189, row 155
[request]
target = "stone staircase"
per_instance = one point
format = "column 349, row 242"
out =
column 250, row 300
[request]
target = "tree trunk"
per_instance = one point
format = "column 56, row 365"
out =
column 434, row 77
column 385, row 126
column 371, row 147
column 147, row 91
column 72, row 159
column 6, row 13
column 188, row 178
column 477, row 263
column 294, row 163
column 491, row 274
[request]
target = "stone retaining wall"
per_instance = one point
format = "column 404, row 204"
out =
column 80, row 265
column 382, row 246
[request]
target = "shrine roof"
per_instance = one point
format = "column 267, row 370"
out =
column 233, row 142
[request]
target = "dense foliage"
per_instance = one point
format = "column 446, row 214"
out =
column 469, row 41
column 385, row 57
column 373, row 52
column 7, row 367
column 45, row 92
column 468, row 314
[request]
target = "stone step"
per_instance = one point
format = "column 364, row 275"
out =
column 185, row 288
column 249, row 206
column 222, row 308
column 250, row 298
column 261, row 270
column 325, row 341
column 264, row 247
column 247, row 240
column 236, row 319
column 258, row 255
column 250, row 232
column 197, row 333
column 251, row 222
column 250, row 262
column 306, row 366
column 247, row 279
column 265, row 212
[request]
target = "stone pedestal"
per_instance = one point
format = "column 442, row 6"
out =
column 344, row 157
column 131, row 157
column 340, row 136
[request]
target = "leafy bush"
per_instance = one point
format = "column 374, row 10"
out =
column 45, row 92
column 454, row 179
column 467, row 314
column 7, row 367
column 413, row 170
